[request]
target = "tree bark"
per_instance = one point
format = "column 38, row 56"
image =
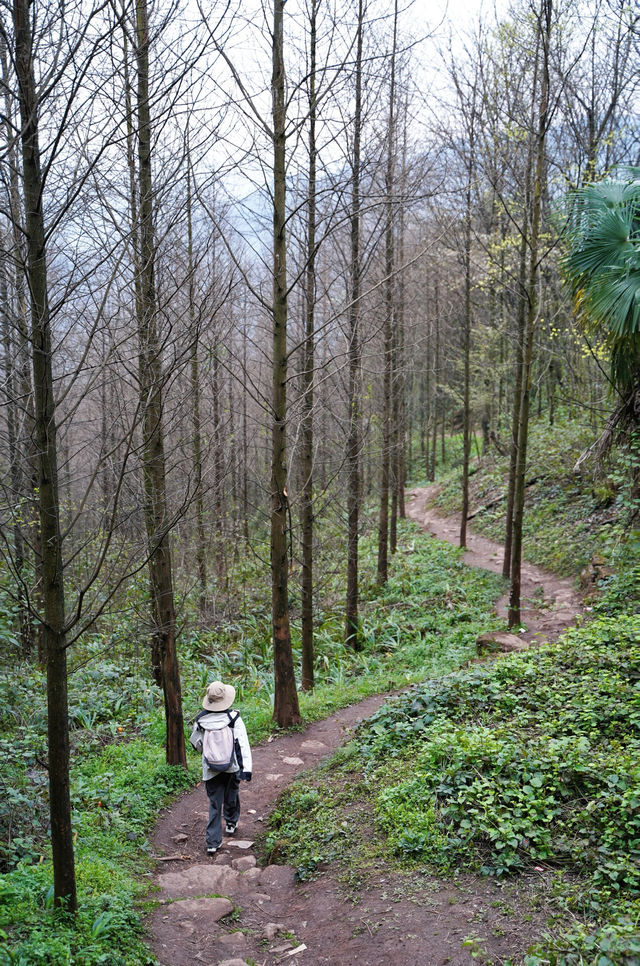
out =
column 53, row 635
column 428, row 408
column 466, row 447
column 352, row 635
column 389, row 313
column 306, row 432
column 151, row 385
column 245, row 435
column 394, row 418
column 196, row 430
column 286, row 710
column 15, row 462
column 517, row 400
column 443, row 426
column 398, row 381
column 24, row 466
column 544, row 29
column 519, row 361
column 400, row 374
column 436, row 381
column 218, row 467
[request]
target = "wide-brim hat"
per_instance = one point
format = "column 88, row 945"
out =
column 219, row 696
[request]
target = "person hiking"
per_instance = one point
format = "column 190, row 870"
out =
column 219, row 733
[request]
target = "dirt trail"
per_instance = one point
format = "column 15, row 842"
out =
column 229, row 911
column 549, row 603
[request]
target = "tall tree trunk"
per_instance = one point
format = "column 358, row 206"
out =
column 502, row 348
column 389, row 313
column 436, row 382
column 400, row 377
column 428, row 409
column 151, row 385
column 286, row 711
column 551, row 390
column 519, row 360
column 64, row 881
column 306, row 444
column 156, row 663
column 25, row 465
column 218, row 467
column 394, row 415
column 105, row 442
column 196, row 431
column 517, row 395
column 466, row 446
column 544, row 29
column 397, row 368
column 233, row 460
column 15, row 462
column 245, row 436
column 413, row 399
column 352, row 636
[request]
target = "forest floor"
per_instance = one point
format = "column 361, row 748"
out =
column 229, row 910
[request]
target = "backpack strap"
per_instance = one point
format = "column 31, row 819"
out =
column 201, row 714
column 232, row 719
column 236, row 743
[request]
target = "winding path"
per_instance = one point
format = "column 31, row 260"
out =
column 228, row 911
column 550, row 603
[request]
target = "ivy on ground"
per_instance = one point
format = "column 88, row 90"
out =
column 533, row 762
column 528, row 765
column 535, row 759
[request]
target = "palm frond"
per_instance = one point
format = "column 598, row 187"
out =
column 615, row 303
column 602, row 266
column 603, row 244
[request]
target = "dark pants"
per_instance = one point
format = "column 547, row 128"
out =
column 224, row 800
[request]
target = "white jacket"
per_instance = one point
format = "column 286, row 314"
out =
column 213, row 721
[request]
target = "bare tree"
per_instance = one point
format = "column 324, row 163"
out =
column 194, row 330
column 54, row 625
column 389, row 315
column 286, row 711
column 354, row 404
column 306, row 458
column 151, row 382
column 544, row 29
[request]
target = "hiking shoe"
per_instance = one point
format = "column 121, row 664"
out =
column 230, row 828
column 212, row 849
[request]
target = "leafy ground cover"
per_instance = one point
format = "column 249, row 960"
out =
column 528, row 764
column 425, row 621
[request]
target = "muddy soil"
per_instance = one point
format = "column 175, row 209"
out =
column 265, row 917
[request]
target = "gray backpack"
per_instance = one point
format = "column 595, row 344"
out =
column 218, row 746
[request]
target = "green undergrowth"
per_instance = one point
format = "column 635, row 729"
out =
column 116, row 794
column 401, row 635
column 571, row 520
column 424, row 621
column 530, row 764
